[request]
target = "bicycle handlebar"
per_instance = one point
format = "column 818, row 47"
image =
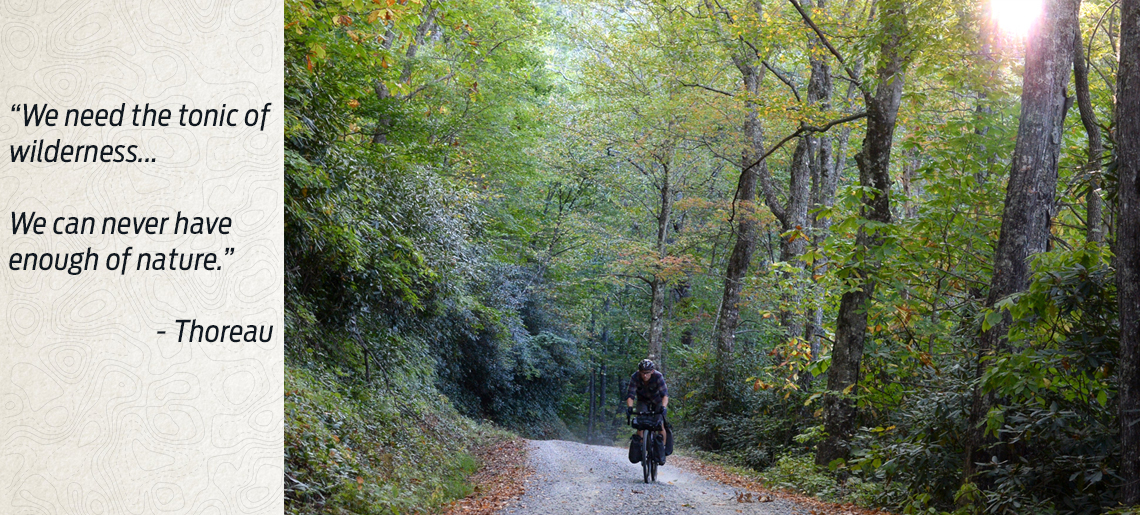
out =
column 630, row 414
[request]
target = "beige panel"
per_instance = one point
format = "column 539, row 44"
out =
column 100, row 414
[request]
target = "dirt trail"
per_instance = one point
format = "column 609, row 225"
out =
column 590, row 479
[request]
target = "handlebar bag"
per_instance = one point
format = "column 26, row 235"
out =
column 647, row 422
column 635, row 449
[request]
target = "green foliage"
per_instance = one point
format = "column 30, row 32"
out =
column 356, row 449
column 1054, row 417
column 762, row 415
column 1056, row 393
column 406, row 122
column 495, row 368
column 799, row 474
column 917, row 450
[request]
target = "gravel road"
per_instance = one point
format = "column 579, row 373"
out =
column 591, row 479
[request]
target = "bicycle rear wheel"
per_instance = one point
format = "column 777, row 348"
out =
column 653, row 471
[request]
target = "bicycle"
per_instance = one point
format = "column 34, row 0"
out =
column 650, row 422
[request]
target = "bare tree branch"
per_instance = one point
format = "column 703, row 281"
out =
column 783, row 78
column 804, row 129
column 702, row 86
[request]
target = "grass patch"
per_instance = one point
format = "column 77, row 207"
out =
column 456, row 485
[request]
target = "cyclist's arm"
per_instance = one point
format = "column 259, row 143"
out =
column 665, row 401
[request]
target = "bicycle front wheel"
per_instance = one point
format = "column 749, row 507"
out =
column 646, row 460
column 653, row 462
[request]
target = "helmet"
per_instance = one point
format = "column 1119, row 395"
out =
column 646, row 364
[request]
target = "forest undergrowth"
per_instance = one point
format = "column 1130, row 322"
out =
column 349, row 448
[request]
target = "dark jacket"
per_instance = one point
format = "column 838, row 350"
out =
column 650, row 392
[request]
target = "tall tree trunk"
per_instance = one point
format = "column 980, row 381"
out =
column 874, row 162
column 604, row 412
column 682, row 292
column 658, row 285
column 799, row 197
column 746, row 231
column 593, row 408
column 1030, row 191
column 824, row 167
column 1128, row 246
column 795, row 239
column 830, row 172
column 1094, row 231
column 803, row 174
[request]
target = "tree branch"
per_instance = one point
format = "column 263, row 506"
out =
column 826, row 42
column 702, row 86
column 804, row 129
column 453, row 72
column 783, row 78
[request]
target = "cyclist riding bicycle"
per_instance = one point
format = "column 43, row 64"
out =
column 647, row 386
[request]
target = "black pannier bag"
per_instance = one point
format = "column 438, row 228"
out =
column 635, row 449
column 668, row 438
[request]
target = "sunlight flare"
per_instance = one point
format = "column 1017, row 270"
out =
column 1015, row 17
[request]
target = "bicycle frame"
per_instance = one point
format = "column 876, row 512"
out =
column 648, row 463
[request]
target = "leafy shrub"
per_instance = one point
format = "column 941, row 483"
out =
column 752, row 422
column 799, row 473
column 357, row 449
column 1054, row 420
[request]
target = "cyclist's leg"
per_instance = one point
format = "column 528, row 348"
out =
column 661, row 430
column 641, row 407
column 660, row 445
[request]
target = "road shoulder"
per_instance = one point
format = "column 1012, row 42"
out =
column 751, row 490
column 502, row 478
